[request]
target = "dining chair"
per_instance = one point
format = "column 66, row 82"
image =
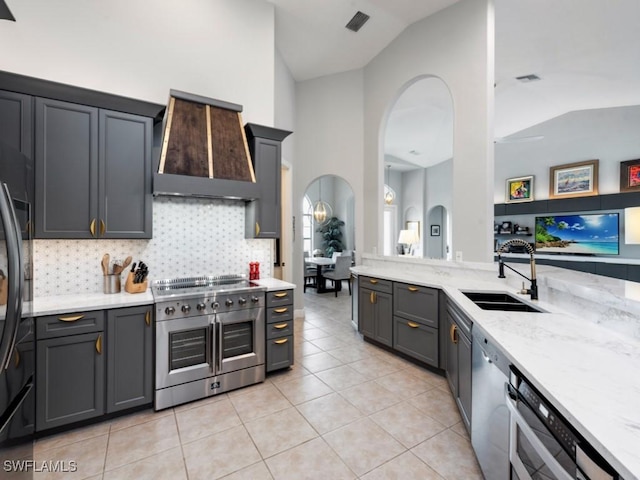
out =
column 340, row 272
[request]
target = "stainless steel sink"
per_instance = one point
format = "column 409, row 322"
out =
column 500, row 301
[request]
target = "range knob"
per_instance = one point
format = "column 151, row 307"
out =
column 169, row 310
column 201, row 306
column 186, row 308
column 242, row 301
column 228, row 302
column 215, row 305
column 255, row 299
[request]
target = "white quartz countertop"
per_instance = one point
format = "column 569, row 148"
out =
column 589, row 372
column 58, row 304
column 274, row 284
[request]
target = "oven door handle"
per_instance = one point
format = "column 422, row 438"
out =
column 219, row 356
column 210, row 347
column 517, row 420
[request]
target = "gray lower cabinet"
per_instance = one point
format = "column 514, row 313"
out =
column 279, row 330
column 375, row 309
column 458, row 357
column 93, row 172
column 130, row 369
column 70, row 369
column 416, row 340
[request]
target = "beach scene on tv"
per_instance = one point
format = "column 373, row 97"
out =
column 592, row 234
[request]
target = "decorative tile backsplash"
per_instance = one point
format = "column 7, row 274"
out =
column 191, row 236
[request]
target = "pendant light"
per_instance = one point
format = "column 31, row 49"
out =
column 389, row 194
column 322, row 211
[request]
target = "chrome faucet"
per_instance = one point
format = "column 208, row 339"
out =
column 533, row 291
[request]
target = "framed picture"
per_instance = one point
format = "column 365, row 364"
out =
column 630, row 176
column 574, row 180
column 414, row 226
column 435, row 230
column 519, row 189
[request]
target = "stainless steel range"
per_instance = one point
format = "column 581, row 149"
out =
column 209, row 337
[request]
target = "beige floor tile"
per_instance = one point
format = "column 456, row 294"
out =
column 404, row 467
column 404, row 384
column 349, row 354
column 308, row 348
column 303, row 389
column 72, row 436
column 259, row 402
column 450, row 455
column 363, row 445
column 314, row 333
column 138, row 418
column 328, row 343
column 329, row 412
column 320, row 361
column 220, row 454
column 313, row 460
column 135, row 443
column 373, row 367
column 407, row 424
column 461, row 430
column 200, row 402
column 222, row 416
column 280, row 431
column 370, row 397
column 342, row 377
column 169, row 465
column 427, row 375
column 439, row 405
column 294, row 371
column 88, row 456
column 257, row 471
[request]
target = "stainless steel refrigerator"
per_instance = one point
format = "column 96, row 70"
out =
column 17, row 345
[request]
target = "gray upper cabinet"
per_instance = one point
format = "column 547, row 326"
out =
column 16, row 128
column 130, row 367
column 262, row 216
column 93, row 172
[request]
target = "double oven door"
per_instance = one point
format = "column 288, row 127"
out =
column 194, row 348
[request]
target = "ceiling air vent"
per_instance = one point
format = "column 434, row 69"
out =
column 358, row 20
column 529, row 78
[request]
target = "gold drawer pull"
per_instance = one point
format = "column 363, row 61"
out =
column 103, row 227
column 281, row 341
column 280, row 294
column 72, row 318
column 372, row 297
column 147, row 318
column 257, row 229
column 280, row 310
column 280, row 326
column 373, row 280
column 99, row 344
column 413, row 325
column 92, row 227
column 17, row 358
column 413, row 289
column 453, row 334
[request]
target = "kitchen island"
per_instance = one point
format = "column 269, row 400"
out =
column 583, row 354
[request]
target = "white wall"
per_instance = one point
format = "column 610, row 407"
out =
column 217, row 48
column 456, row 45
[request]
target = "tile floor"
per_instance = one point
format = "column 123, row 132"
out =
column 346, row 410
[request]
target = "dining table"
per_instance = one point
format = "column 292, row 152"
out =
column 320, row 263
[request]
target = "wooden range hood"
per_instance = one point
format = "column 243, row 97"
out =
column 204, row 150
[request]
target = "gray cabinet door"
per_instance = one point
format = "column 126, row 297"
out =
column 262, row 216
column 366, row 313
column 130, row 358
column 415, row 339
column 16, row 122
column 125, row 197
column 69, row 379
column 384, row 318
column 66, row 139
column 416, row 303
column 464, row 379
column 452, row 357
column 279, row 353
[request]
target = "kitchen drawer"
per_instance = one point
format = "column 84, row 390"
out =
column 377, row 284
column 279, row 353
column 280, row 314
column 419, row 304
column 279, row 329
column 75, row 323
column 416, row 340
column 280, row 297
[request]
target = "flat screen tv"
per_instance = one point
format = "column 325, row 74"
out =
column 588, row 234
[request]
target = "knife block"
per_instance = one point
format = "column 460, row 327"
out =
column 131, row 287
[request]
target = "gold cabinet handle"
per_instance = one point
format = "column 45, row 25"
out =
column 103, row 227
column 257, row 229
column 453, row 334
column 17, row 358
column 147, row 318
column 71, row 318
column 281, row 341
column 280, row 294
column 280, row 326
column 413, row 289
column 372, row 297
column 280, row 310
column 373, row 280
column 413, row 325
column 99, row 344
column 92, row 227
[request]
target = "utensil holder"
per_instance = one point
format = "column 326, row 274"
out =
column 111, row 283
column 131, row 287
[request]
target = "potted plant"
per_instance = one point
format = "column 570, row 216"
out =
column 332, row 236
